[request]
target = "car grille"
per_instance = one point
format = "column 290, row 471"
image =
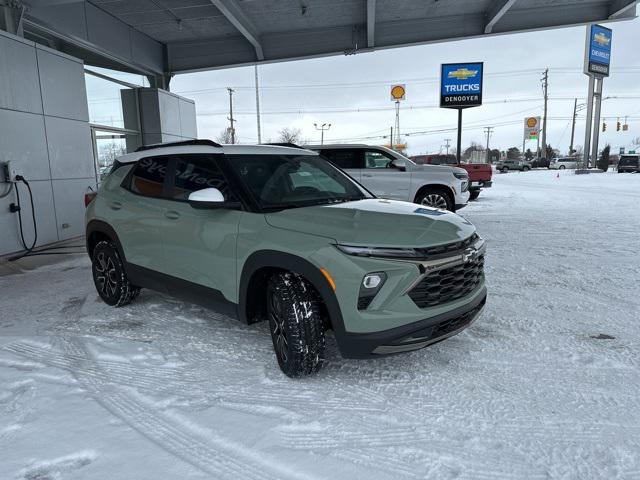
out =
column 432, row 253
column 448, row 284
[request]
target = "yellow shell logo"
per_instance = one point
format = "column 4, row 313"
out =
column 531, row 122
column 601, row 39
column 397, row 92
column 462, row 74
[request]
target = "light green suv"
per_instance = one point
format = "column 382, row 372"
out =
column 275, row 233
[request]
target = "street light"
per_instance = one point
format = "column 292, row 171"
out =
column 322, row 128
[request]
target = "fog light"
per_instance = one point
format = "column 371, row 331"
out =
column 371, row 285
column 372, row 280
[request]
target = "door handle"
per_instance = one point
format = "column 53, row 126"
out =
column 172, row 215
column 115, row 205
column 367, row 175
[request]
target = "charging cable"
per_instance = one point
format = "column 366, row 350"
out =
column 18, row 208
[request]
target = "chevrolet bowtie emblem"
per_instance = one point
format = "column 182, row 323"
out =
column 601, row 39
column 462, row 74
column 469, row 255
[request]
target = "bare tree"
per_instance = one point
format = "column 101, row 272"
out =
column 290, row 135
column 636, row 141
column 224, row 136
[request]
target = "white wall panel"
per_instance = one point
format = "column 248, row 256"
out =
column 70, row 149
column 69, row 200
column 19, row 84
column 64, row 93
column 23, row 143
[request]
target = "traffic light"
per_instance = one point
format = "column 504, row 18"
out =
column 618, row 126
column 604, row 126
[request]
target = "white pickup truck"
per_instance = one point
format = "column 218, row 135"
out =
column 388, row 174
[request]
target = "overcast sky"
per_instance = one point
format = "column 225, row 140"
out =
column 331, row 90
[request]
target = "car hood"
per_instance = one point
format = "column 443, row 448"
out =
column 376, row 222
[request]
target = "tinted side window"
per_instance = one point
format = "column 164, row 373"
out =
column 147, row 177
column 345, row 158
column 196, row 172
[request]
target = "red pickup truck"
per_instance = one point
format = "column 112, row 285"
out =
column 479, row 173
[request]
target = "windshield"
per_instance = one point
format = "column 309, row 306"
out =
column 278, row 182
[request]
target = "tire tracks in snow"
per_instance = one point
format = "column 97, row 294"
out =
column 214, row 454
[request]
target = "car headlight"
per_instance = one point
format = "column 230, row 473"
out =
column 379, row 252
column 460, row 175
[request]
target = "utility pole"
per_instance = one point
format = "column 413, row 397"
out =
column 391, row 139
column 487, row 132
column 230, row 117
column 447, row 144
column 322, row 129
column 545, row 88
column 255, row 71
column 573, row 125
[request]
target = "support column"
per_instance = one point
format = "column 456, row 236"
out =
column 589, row 123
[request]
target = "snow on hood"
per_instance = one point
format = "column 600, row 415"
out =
column 376, row 222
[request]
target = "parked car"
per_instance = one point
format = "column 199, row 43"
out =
column 479, row 173
column 513, row 164
column 277, row 234
column 629, row 164
column 388, row 174
column 564, row 163
column 540, row 162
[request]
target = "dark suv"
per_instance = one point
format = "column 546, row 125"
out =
column 629, row 164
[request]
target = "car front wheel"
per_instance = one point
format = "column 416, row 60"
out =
column 562, row 167
column 504, row 170
column 436, row 199
column 296, row 324
column 109, row 276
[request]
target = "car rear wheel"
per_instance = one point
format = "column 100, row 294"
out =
column 296, row 324
column 504, row 169
column 473, row 194
column 525, row 169
column 436, row 199
column 109, row 276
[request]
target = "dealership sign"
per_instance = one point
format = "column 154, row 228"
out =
column 461, row 85
column 598, row 51
column 531, row 128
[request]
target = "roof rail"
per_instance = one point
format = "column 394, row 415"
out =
column 284, row 144
column 206, row 143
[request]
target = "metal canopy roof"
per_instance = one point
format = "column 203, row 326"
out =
column 173, row 36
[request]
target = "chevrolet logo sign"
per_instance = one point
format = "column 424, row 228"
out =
column 601, row 39
column 462, row 74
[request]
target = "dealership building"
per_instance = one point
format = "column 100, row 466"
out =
column 82, row 81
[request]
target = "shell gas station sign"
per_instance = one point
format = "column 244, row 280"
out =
column 531, row 128
column 398, row 92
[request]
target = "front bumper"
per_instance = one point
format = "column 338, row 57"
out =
column 415, row 335
column 396, row 321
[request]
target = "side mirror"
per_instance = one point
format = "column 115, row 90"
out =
column 209, row 198
column 398, row 164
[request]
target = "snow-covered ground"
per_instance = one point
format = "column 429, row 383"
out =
column 545, row 385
